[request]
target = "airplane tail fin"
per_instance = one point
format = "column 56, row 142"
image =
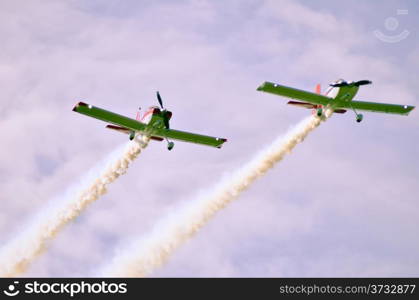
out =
column 318, row 89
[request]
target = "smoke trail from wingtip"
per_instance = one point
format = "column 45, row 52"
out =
column 16, row 256
column 143, row 256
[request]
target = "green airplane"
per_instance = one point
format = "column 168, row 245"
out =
column 339, row 97
column 154, row 123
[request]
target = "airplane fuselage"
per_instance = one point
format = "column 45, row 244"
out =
column 342, row 94
column 154, row 117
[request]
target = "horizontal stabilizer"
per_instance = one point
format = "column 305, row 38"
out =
column 301, row 104
column 119, row 128
column 312, row 106
column 340, row 111
column 127, row 131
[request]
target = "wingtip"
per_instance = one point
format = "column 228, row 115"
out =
column 261, row 87
column 266, row 85
column 79, row 104
column 409, row 108
column 223, row 140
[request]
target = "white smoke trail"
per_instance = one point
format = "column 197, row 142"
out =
column 16, row 256
column 145, row 255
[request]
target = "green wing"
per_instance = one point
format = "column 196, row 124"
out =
column 377, row 107
column 189, row 137
column 289, row 92
column 107, row 116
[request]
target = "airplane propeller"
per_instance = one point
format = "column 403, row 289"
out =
column 352, row 83
column 363, row 82
column 166, row 116
column 339, row 84
column 160, row 100
column 165, row 113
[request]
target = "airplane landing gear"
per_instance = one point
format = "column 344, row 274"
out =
column 170, row 145
column 319, row 112
column 359, row 117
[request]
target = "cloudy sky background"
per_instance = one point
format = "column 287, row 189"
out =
column 345, row 203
